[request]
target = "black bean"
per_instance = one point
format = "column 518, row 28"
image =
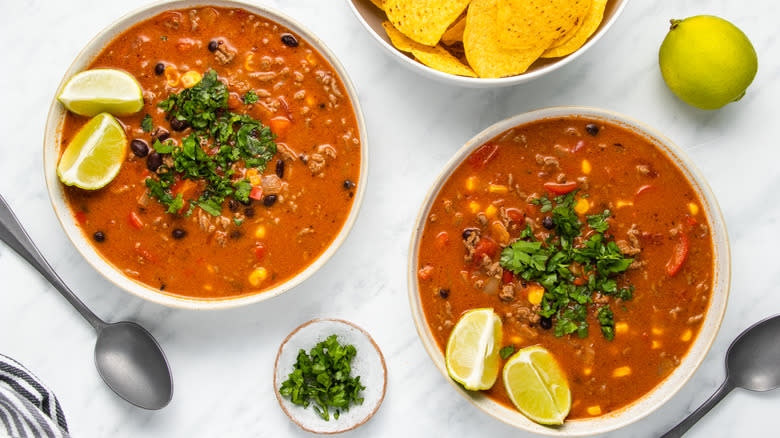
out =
column 249, row 212
column 546, row 323
column 348, row 184
column 467, row 233
column 592, row 129
column 213, row 45
column 233, row 205
column 139, row 147
column 178, row 233
column 280, row 169
column 235, row 234
column 161, row 134
column 547, row 222
column 289, row 40
column 178, row 125
column 159, row 68
column 99, row 236
column 444, row 293
column 269, row 200
column 153, row 161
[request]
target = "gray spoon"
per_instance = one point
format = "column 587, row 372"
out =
column 127, row 357
column 752, row 362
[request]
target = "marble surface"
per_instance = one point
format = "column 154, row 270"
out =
column 222, row 361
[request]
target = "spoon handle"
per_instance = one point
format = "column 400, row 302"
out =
column 13, row 234
column 696, row 415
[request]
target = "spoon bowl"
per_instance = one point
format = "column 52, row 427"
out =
column 131, row 363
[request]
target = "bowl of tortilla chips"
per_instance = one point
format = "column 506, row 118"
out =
column 485, row 43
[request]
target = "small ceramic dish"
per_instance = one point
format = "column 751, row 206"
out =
column 369, row 364
column 371, row 17
column 664, row 391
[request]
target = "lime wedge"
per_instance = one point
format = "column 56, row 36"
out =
column 472, row 349
column 537, row 386
column 94, row 156
column 102, row 90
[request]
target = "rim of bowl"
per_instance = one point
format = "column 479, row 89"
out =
column 55, row 189
column 670, row 385
column 370, row 339
column 487, row 82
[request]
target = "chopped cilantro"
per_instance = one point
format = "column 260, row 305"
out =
column 506, row 352
column 147, row 124
column 567, row 296
column 229, row 138
column 250, row 97
column 323, row 376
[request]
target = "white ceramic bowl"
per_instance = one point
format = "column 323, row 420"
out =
column 709, row 329
column 51, row 155
column 372, row 17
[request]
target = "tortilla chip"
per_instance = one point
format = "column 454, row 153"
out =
column 379, row 4
column 573, row 31
column 589, row 26
column 455, row 33
column 438, row 58
column 531, row 23
column 424, row 21
column 480, row 41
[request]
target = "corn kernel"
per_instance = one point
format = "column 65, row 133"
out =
column 621, row 204
column 693, row 208
column 474, row 207
column 657, row 331
column 621, row 327
column 310, row 100
column 516, row 340
column 189, row 79
column 172, row 76
column 621, row 371
column 491, row 211
column 248, row 64
column 535, row 294
column 311, row 59
column 582, row 206
column 501, row 234
column 587, row 371
column 686, row 336
column 594, row 410
column 251, row 172
column 655, row 345
column 260, row 232
column 255, row 180
column 586, row 167
column 496, row 188
column 471, row 183
column 210, row 268
column 208, row 287
column 258, row 276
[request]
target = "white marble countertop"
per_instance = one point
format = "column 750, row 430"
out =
column 222, row 361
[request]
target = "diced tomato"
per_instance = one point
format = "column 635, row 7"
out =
column 135, row 220
column 479, row 158
column 678, row 257
column 184, row 186
column 442, row 239
column 279, row 125
column 425, row 273
column 80, row 217
column 515, row 214
column 507, row 276
column 580, row 281
column 690, row 220
column 234, row 101
column 486, row 246
column 145, row 254
column 577, row 147
column 256, row 193
column 560, row 188
column 644, row 189
column 259, row 252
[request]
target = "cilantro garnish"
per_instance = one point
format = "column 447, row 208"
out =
column 567, row 296
column 229, row 138
column 506, row 352
column 323, row 376
column 250, row 97
column 147, row 124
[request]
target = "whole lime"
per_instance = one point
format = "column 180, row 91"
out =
column 707, row 61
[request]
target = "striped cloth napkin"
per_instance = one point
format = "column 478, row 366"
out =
column 27, row 408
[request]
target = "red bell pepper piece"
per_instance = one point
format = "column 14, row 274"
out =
column 678, row 256
column 560, row 188
column 479, row 158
